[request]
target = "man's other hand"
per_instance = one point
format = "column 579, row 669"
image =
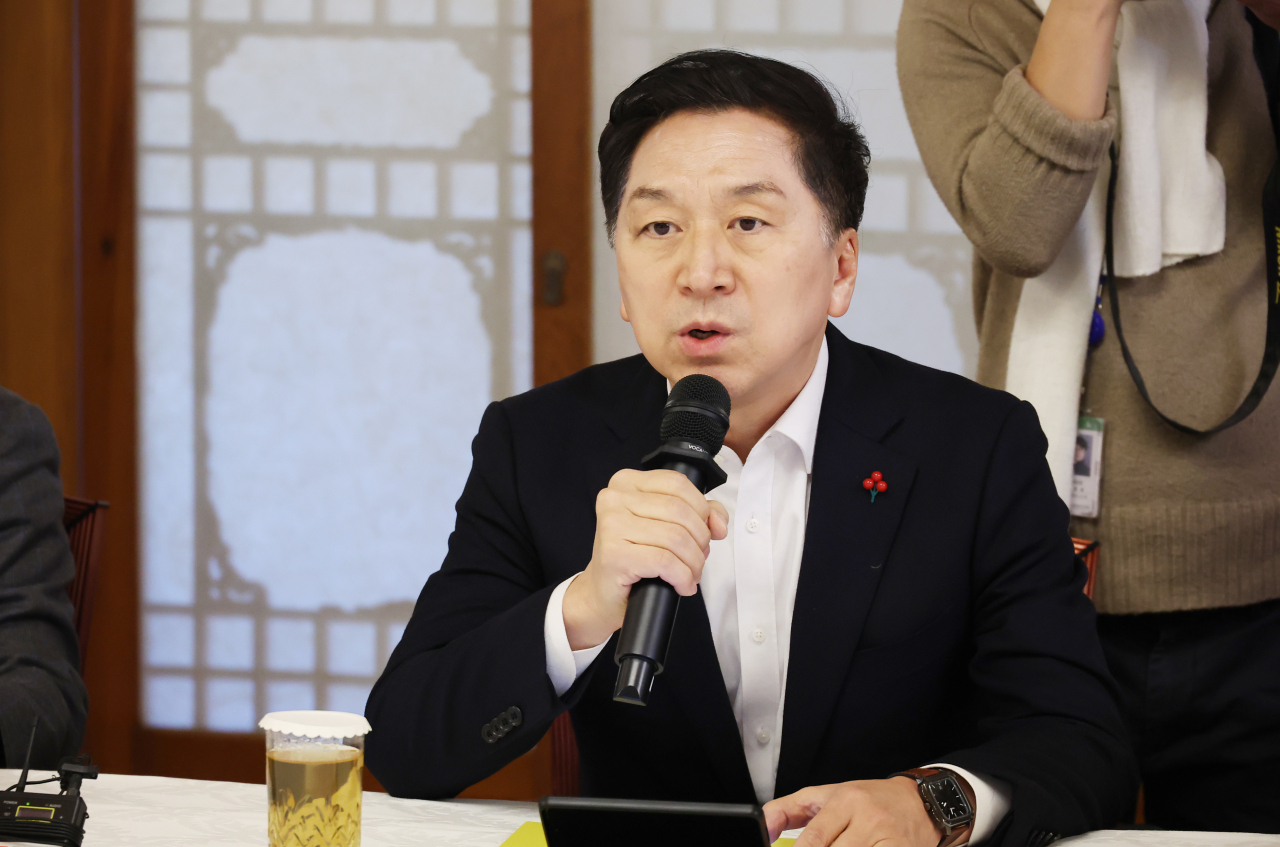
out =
column 887, row 812
column 1268, row 11
column 648, row 524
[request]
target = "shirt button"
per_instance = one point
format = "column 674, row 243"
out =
column 762, row 735
column 758, row 635
column 753, row 525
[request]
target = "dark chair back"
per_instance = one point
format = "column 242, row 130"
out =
column 85, row 521
column 1088, row 550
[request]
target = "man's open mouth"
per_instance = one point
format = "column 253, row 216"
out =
column 701, row 334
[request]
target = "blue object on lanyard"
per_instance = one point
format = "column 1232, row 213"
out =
column 1097, row 326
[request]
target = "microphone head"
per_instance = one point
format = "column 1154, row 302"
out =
column 697, row 410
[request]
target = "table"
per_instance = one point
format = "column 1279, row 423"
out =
column 150, row 811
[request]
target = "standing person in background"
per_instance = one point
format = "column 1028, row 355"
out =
column 1015, row 107
column 39, row 654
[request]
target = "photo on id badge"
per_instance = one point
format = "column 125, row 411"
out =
column 1086, row 468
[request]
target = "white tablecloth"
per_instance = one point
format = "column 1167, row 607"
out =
column 151, row 811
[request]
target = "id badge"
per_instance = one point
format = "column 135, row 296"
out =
column 1086, row 468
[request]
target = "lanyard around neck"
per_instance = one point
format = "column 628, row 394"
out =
column 1266, row 50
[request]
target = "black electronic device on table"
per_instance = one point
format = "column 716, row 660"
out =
column 47, row 818
column 591, row 822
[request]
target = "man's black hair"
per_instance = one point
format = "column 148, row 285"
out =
column 830, row 151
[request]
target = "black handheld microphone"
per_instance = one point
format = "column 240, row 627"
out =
column 694, row 422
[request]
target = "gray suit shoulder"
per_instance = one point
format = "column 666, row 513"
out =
column 39, row 652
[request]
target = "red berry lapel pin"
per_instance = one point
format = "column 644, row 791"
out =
column 875, row 484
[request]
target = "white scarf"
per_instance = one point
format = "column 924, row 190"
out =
column 1170, row 206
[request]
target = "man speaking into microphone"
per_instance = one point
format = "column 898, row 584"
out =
column 880, row 603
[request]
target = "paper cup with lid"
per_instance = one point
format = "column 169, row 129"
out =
column 315, row 769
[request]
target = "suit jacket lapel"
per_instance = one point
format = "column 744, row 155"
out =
column 633, row 408
column 847, row 541
column 698, row 684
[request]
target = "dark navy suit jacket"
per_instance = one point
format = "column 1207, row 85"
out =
column 943, row 622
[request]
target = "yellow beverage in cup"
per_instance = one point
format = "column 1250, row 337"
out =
column 314, row 796
column 315, row 769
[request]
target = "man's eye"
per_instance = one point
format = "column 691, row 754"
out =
column 749, row 224
column 661, row 228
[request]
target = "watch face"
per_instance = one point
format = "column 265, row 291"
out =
column 949, row 800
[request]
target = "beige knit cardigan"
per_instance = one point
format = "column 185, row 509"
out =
column 1186, row 522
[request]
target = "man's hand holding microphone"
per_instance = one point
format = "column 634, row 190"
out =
column 648, row 524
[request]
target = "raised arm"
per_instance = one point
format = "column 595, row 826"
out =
column 1071, row 63
column 1013, row 154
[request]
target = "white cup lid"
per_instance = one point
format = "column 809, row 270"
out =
column 317, row 724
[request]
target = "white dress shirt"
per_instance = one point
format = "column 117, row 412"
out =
column 749, row 588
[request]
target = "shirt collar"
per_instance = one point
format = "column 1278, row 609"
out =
column 800, row 421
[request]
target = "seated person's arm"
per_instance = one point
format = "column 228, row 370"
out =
column 1043, row 708
column 489, row 633
column 473, row 649
column 39, row 653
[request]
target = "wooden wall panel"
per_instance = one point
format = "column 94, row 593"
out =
column 38, row 339
column 185, row 754
column 527, row 778
column 224, row 756
column 110, row 368
column 239, row 757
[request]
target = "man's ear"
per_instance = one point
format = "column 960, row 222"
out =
column 622, row 309
column 846, row 273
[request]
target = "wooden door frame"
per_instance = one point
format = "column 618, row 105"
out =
column 66, row 294
column 107, row 247
column 560, row 31
column 39, row 327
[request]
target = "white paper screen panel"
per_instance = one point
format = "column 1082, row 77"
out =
column 913, row 292
column 334, row 201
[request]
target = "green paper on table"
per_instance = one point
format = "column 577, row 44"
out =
column 530, row 835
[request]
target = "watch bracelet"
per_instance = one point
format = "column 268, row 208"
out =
column 919, row 776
